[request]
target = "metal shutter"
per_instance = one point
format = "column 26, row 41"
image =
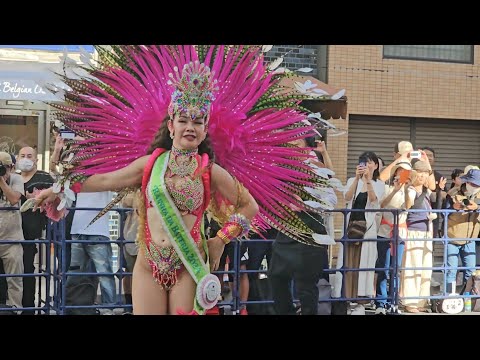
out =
column 456, row 143
column 377, row 134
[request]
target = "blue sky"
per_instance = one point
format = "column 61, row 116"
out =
column 51, row 47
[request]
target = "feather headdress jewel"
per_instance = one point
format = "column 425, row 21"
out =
column 194, row 90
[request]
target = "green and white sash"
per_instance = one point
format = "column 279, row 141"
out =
column 208, row 285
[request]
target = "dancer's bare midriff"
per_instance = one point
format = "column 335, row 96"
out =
column 159, row 236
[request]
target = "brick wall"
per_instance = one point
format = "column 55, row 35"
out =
column 388, row 87
column 300, row 56
column 380, row 86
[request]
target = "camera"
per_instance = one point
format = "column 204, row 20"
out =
column 3, row 169
column 466, row 202
column 415, row 155
column 67, row 134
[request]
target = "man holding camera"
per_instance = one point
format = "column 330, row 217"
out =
column 11, row 190
column 400, row 154
column 403, row 152
column 463, row 225
column 33, row 223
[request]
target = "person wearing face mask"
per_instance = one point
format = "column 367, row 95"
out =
column 11, row 190
column 463, row 224
column 33, row 223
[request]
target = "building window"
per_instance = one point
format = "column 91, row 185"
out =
column 446, row 53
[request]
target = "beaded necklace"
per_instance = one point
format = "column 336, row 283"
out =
column 186, row 192
column 182, row 162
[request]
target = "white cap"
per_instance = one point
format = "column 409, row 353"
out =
column 404, row 147
column 5, row 158
column 470, row 167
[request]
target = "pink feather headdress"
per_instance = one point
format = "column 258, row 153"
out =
column 118, row 104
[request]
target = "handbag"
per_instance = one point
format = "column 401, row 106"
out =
column 356, row 229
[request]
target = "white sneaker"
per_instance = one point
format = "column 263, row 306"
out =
column 358, row 310
column 380, row 311
column 104, row 311
column 370, row 306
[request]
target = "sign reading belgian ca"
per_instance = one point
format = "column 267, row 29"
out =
column 19, row 89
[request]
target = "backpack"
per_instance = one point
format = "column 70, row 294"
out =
column 81, row 290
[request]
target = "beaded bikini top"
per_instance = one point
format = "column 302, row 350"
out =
column 184, row 186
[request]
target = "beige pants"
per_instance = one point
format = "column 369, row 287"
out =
column 418, row 254
column 12, row 257
column 352, row 261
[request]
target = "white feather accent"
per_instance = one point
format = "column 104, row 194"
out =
column 327, row 196
column 316, row 115
column 323, row 239
column 336, row 184
column 275, row 63
column 319, row 92
column 266, row 48
column 305, row 70
column 323, row 172
column 85, row 56
column 337, row 132
column 338, row 95
column 62, row 204
column 56, row 188
column 69, row 194
column 84, row 74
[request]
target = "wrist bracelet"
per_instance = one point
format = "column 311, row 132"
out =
column 240, row 222
column 222, row 236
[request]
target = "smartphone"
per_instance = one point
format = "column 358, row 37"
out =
column 362, row 161
column 404, row 175
column 67, row 134
column 415, row 155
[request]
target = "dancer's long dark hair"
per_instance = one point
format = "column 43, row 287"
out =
column 162, row 140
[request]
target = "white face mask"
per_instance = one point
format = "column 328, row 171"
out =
column 472, row 190
column 25, row 165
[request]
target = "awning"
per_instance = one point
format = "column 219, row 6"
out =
column 26, row 85
column 25, row 80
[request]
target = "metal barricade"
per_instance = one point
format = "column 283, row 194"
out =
column 53, row 274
